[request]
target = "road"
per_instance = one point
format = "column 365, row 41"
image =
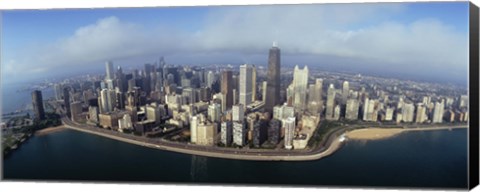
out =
column 210, row 151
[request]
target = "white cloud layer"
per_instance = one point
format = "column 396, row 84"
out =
column 363, row 31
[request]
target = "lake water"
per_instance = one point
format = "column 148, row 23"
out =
column 431, row 159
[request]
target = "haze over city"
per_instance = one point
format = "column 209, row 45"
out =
column 410, row 40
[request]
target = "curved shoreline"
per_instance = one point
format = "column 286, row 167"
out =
column 375, row 133
column 333, row 143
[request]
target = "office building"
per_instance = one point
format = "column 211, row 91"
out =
column 226, row 133
column 238, row 112
column 246, row 84
column 289, row 125
column 227, row 88
column 330, row 102
column 273, row 79
column 351, row 111
column 300, row 84
column 66, row 100
column 239, row 133
column 37, row 103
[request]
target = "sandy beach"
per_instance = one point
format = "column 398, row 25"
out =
column 49, row 130
column 373, row 133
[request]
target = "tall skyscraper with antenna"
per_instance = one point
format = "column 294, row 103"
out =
column 273, row 78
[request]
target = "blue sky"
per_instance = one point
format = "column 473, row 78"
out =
column 431, row 38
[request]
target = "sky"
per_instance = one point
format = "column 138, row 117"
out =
column 426, row 41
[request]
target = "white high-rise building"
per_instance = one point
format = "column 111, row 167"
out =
column 238, row 112
column 214, row 112
column 193, row 129
column 264, row 91
column 57, row 88
column 246, row 85
column 345, row 91
column 125, row 122
column 351, row 111
column 330, row 102
column 210, row 78
column 289, row 125
column 408, row 112
column 438, row 112
column 420, row 116
column 300, row 83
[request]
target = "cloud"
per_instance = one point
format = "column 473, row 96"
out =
column 362, row 31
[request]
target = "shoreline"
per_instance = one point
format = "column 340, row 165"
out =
column 377, row 133
column 333, row 144
column 49, row 130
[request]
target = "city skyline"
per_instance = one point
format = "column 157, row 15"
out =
column 102, row 33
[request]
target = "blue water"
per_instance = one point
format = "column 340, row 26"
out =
column 430, row 159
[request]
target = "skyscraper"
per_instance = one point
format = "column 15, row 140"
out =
column 227, row 88
column 345, row 91
column 57, row 88
column 246, row 79
column 254, row 83
column 300, row 83
column 109, row 66
column 273, row 78
column 330, row 102
column 438, row 112
column 37, row 102
column 104, row 105
column 66, row 100
column 289, row 125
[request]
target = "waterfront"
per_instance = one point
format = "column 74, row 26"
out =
column 411, row 159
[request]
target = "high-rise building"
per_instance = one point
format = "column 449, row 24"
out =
column 238, row 112
column 109, row 71
column 254, row 84
column 125, row 123
column 289, row 125
column 206, row 133
column 408, row 112
column 104, row 102
column 37, row 102
column 57, row 88
column 351, row 111
column 330, row 102
column 227, row 88
column 318, row 90
column 214, row 112
column 66, row 100
column 345, row 91
column 389, row 114
column 226, row 130
column 239, row 133
column 438, row 112
column 210, row 78
column 264, row 91
column 300, row 84
column 273, row 79
column 420, row 114
column 274, row 131
column 193, row 129
column 259, row 132
column 76, row 110
column 246, row 85
column 93, row 114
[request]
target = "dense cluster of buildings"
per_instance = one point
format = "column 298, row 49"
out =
column 233, row 108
